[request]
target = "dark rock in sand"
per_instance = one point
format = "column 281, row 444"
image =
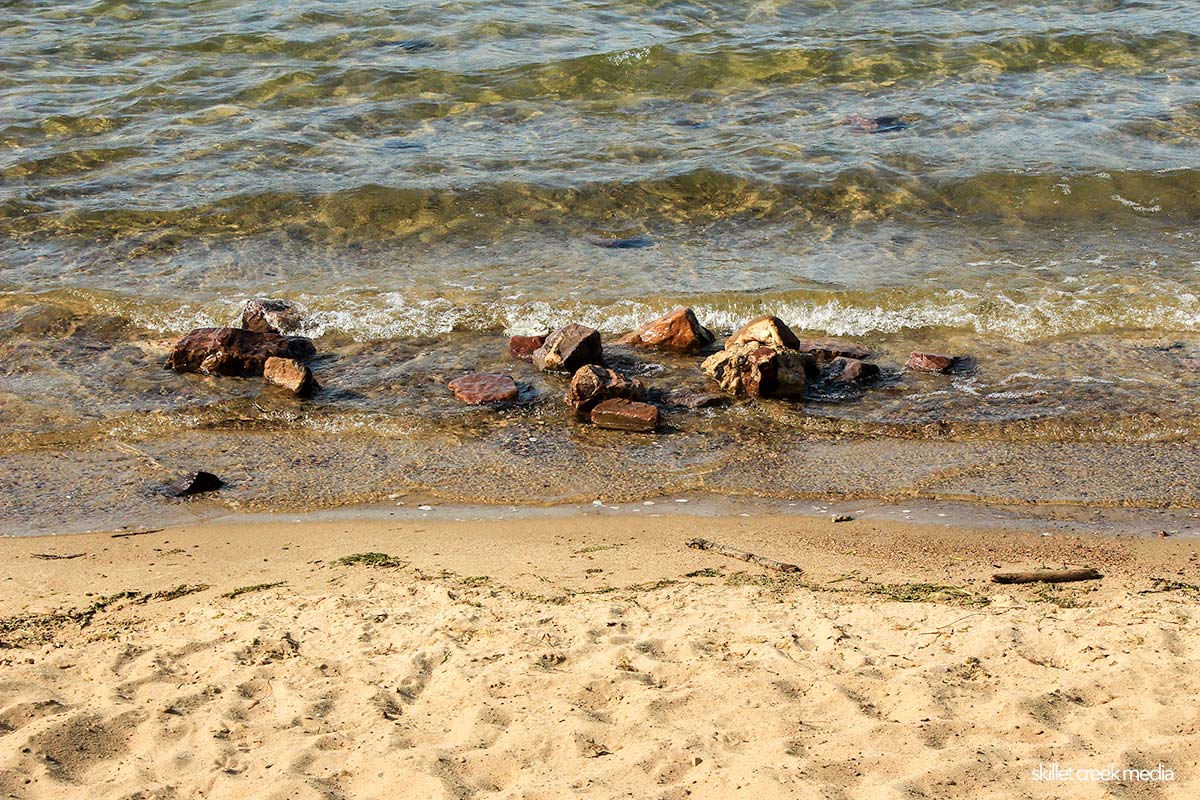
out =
column 234, row 351
column 931, row 362
column 851, row 370
column 569, row 348
column 679, row 330
column 592, row 385
column 769, row 331
column 626, row 415
column 194, row 483
column 523, row 347
column 291, row 374
column 824, row 350
column 760, row 371
column 272, row 316
column 627, row 243
column 484, row 387
column 694, row 399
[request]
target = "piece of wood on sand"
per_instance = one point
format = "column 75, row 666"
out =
column 742, row 555
column 1048, row 576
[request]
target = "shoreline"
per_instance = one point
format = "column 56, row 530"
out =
column 591, row 656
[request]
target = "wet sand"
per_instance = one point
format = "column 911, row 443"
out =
column 593, row 657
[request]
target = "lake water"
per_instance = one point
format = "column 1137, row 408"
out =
column 427, row 177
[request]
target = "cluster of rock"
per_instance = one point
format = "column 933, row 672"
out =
column 261, row 347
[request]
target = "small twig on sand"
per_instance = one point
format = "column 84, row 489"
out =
column 57, row 556
column 1048, row 576
column 742, row 555
column 136, row 533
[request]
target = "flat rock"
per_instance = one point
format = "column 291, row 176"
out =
column 931, row 362
column 679, row 330
column 293, row 375
column 272, row 316
column 569, row 348
column 828, row 349
column 234, row 351
column 194, row 483
column 760, row 371
column 626, row 415
column 484, row 387
column 769, row 331
column 592, row 385
column 523, row 347
column 694, row 399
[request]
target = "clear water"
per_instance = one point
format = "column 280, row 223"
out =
column 426, row 177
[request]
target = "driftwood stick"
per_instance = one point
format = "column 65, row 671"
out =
column 1048, row 576
column 742, row 555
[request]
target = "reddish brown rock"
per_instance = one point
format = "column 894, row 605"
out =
column 592, row 385
column 679, row 330
column 194, row 483
column 523, row 347
column 769, row 331
column 290, row 374
column 569, row 348
column 234, row 351
column 272, row 316
column 851, row 370
column 759, row 371
column 694, row 399
column 931, row 362
column 828, row 349
column 626, row 415
column 484, row 387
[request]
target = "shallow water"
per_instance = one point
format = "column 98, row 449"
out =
column 426, row 177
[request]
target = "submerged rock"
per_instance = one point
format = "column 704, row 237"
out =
column 234, row 351
column 828, row 349
column 523, row 347
column 931, row 362
column 626, row 243
column 592, row 385
column 850, row 370
column 679, row 330
column 768, row 330
column 885, row 124
column 484, row 387
column 569, row 348
column 684, row 398
column 291, row 374
column 194, row 483
column 759, row 371
column 626, row 415
column 272, row 316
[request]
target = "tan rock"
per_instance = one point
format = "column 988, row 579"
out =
column 272, row 316
column 769, row 331
column 759, row 371
column 290, row 374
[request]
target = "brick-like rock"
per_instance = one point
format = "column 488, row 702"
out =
column 679, row 330
column 769, row 331
column 523, row 347
column 626, row 415
column 569, row 348
column 759, row 371
column 291, row 374
column 484, row 387
column 592, row 385
column 234, row 351
column 684, row 398
column 931, row 362
column 272, row 316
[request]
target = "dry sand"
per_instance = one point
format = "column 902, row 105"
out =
column 585, row 657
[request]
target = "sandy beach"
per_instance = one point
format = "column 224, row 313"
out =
column 594, row 657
